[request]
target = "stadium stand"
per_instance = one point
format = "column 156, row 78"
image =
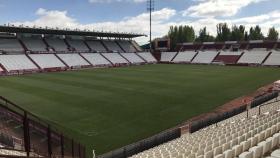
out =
column 16, row 62
column 96, row 59
column 219, row 46
column 167, row 56
column 96, row 46
column 127, row 46
column 191, row 46
column 46, row 61
column 147, row 56
column 228, row 57
column 230, row 44
column 255, row 52
column 57, row 44
column 253, row 57
column 133, row 58
column 261, row 44
column 273, row 59
column 212, row 46
column 79, row 45
column 205, row 57
column 247, row 135
column 34, row 44
column 243, row 45
column 73, row 60
column 112, row 46
column 115, row 58
column 136, row 46
column 184, row 57
column 10, row 45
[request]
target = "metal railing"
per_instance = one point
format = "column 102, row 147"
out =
column 26, row 132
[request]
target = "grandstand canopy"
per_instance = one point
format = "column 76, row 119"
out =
column 13, row 29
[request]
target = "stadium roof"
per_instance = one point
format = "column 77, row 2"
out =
column 14, row 29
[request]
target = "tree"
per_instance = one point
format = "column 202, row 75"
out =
column 204, row 36
column 189, row 34
column 238, row 33
column 180, row 34
column 223, row 32
column 272, row 34
column 256, row 33
column 246, row 36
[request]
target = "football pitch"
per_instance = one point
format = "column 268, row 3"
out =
column 108, row 108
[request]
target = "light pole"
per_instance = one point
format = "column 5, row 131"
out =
column 150, row 8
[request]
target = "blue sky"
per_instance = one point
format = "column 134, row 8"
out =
column 131, row 15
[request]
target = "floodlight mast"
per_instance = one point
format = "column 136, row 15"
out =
column 150, row 8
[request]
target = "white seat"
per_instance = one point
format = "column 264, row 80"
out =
column 58, row 44
column 127, row 46
column 273, row 59
column 219, row 156
column 237, row 136
column 73, row 59
column 78, row 44
column 148, row 57
column 167, row 56
column 34, row 44
column 266, row 146
column 229, row 153
column 112, row 46
column 238, row 149
column 205, row 57
column 96, row 59
column 226, row 146
column 276, row 153
column 115, row 58
column 209, row 154
column 254, row 141
column 253, row 57
column 246, row 145
column 246, row 155
column 10, row 45
column 275, row 140
column 17, row 62
column 234, row 142
column 268, row 133
column 218, row 150
column 47, row 60
column 133, row 58
column 96, row 46
column 241, row 139
column 186, row 56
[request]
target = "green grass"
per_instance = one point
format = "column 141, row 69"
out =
column 109, row 108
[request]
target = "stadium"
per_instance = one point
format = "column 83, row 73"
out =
column 79, row 93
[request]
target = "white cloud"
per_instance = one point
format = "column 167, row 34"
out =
column 137, row 24
column 162, row 20
column 110, row 1
column 51, row 18
column 259, row 18
column 214, row 8
column 265, row 21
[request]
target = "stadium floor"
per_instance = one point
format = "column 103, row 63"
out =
column 110, row 108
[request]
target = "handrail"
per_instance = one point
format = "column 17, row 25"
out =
column 22, row 109
column 30, row 120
